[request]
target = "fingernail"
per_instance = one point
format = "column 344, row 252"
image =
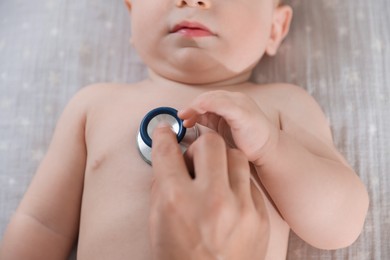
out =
column 163, row 125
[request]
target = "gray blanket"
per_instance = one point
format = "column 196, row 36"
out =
column 339, row 50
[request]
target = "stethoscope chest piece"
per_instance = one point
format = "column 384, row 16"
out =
column 166, row 115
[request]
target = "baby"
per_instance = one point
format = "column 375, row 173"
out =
column 93, row 186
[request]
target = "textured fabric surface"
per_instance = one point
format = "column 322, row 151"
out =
column 339, row 50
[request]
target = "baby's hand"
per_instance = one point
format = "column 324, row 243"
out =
column 237, row 118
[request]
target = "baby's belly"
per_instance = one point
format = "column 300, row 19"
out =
column 115, row 211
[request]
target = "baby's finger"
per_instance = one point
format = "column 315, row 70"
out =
column 230, row 106
column 239, row 175
column 190, row 117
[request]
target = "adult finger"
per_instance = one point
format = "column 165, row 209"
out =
column 258, row 197
column 239, row 175
column 209, row 158
column 167, row 159
column 188, row 159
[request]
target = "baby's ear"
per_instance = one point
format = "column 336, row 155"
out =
column 128, row 4
column 280, row 28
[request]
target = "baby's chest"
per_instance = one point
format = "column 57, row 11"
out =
column 117, row 181
column 115, row 170
column 116, row 201
column 114, row 159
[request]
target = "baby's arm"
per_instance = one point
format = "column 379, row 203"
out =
column 46, row 222
column 315, row 190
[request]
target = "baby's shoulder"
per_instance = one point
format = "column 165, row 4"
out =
column 284, row 97
column 281, row 91
column 102, row 90
column 298, row 110
column 100, row 94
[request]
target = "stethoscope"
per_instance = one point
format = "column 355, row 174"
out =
column 166, row 115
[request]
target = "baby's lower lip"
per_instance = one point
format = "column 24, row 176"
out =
column 194, row 32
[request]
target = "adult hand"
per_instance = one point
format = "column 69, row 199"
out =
column 217, row 215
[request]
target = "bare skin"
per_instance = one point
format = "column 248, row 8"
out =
column 105, row 180
column 94, row 186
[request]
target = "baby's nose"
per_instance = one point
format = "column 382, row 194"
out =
column 204, row 4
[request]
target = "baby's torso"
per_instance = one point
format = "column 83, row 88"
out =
column 115, row 204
